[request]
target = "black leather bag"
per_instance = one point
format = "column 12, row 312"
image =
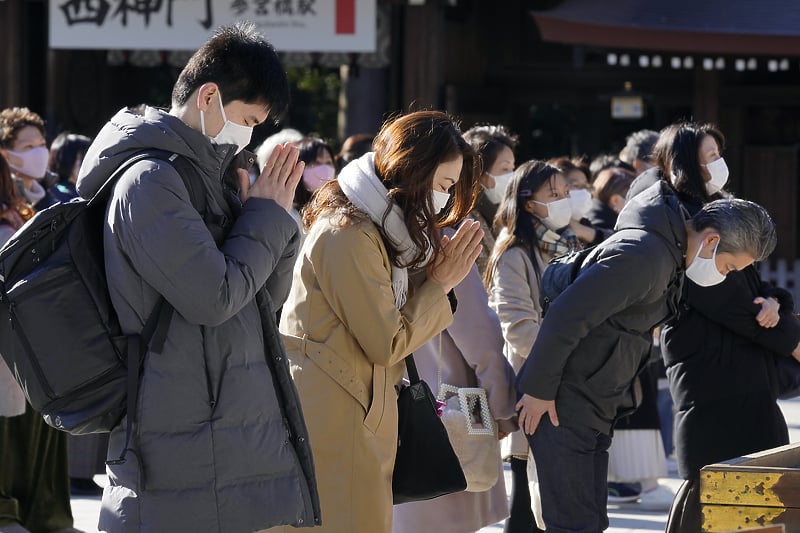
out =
column 787, row 370
column 426, row 465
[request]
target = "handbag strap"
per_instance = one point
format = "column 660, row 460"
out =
column 442, row 388
column 439, row 370
column 411, row 367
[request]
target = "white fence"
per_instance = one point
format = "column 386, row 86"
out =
column 785, row 274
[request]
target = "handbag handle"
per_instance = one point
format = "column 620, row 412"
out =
column 411, row 368
column 442, row 388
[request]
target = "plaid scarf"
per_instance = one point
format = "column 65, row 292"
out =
column 552, row 244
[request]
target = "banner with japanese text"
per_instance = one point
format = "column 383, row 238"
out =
column 290, row 25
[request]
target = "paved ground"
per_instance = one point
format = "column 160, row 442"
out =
column 626, row 518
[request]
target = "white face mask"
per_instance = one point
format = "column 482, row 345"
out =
column 580, row 200
column 34, row 162
column 440, row 200
column 558, row 214
column 231, row 133
column 719, row 176
column 496, row 193
column 704, row 271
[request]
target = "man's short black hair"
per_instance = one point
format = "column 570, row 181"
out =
column 242, row 63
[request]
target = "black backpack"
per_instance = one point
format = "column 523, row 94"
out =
column 560, row 273
column 59, row 333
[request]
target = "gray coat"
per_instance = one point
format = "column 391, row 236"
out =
column 220, row 443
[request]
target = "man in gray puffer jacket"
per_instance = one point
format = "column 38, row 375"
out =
column 220, row 443
column 579, row 377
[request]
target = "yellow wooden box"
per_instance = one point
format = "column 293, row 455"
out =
column 753, row 491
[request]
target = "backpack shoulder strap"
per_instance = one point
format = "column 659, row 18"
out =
column 155, row 329
column 580, row 259
column 104, row 191
column 217, row 224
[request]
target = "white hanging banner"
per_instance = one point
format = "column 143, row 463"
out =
column 290, row 25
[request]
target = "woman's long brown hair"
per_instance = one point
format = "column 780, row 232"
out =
column 408, row 149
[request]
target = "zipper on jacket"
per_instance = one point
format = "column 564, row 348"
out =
column 288, row 429
column 212, row 399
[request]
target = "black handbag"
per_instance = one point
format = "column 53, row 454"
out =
column 787, row 371
column 426, row 465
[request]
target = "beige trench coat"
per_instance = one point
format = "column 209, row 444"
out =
column 346, row 341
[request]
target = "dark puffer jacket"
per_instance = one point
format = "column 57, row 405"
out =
column 596, row 335
column 220, row 439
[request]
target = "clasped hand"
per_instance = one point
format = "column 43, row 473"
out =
column 277, row 181
column 458, row 255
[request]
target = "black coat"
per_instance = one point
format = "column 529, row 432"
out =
column 722, row 374
column 603, row 219
column 596, row 336
column 602, row 216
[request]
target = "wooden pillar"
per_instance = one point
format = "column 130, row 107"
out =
column 706, row 96
column 423, row 57
column 363, row 100
column 12, row 53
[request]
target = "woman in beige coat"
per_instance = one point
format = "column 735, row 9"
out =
column 354, row 312
column 531, row 232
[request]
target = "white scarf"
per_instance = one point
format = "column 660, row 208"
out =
column 366, row 192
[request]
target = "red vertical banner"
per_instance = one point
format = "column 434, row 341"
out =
column 345, row 17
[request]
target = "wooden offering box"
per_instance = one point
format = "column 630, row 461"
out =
column 754, row 491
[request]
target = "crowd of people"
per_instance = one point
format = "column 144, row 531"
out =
column 274, row 401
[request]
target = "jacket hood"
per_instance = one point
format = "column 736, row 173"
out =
column 657, row 209
column 129, row 132
column 644, row 181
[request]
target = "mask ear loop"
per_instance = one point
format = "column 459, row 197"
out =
column 221, row 110
column 713, row 254
column 545, row 204
column 202, row 122
column 221, row 107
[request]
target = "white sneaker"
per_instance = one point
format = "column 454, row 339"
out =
column 658, row 499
